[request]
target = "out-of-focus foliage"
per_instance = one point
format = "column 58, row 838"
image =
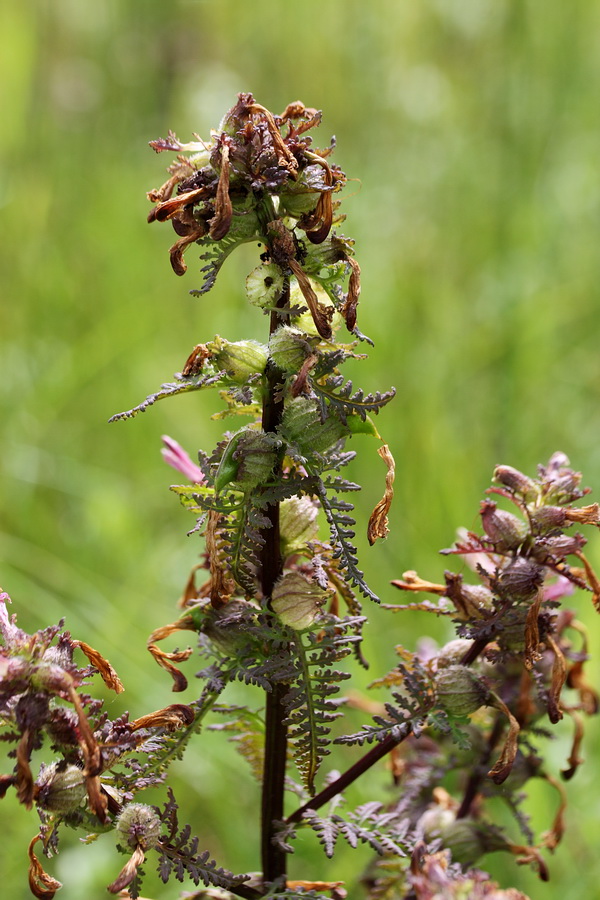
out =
column 471, row 130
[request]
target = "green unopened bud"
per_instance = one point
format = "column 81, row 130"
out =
column 452, row 653
column 256, row 454
column 248, row 460
column 61, row 789
column 226, row 626
column 434, row 822
column 468, row 840
column 302, row 426
column 264, row 285
column 297, row 601
column 459, row 691
column 240, row 359
column 297, row 524
column 505, row 530
column 289, row 348
column 139, row 825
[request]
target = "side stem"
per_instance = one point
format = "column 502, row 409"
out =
column 273, row 858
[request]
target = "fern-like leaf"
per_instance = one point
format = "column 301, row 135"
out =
column 179, row 855
column 181, row 385
column 309, row 705
column 340, row 396
column 384, row 832
column 340, row 525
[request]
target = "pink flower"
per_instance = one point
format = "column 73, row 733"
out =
column 175, row 456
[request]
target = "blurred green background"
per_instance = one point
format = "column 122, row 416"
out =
column 470, row 130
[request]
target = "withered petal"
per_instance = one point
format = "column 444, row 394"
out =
column 502, row 768
column 221, row 221
column 127, row 873
column 321, row 316
column 348, row 309
column 24, row 778
column 171, row 717
column 107, row 673
column 378, row 522
column 41, row 885
column 559, row 676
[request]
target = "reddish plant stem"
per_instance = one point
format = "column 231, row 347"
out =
column 359, row 768
column 272, row 807
column 385, row 747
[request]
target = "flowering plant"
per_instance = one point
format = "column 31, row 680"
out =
column 279, row 606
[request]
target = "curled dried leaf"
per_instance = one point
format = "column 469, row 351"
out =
column 527, row 856
column 221, row 221
column 502, row 768
column 301, row 383
column 532, row 631
column 574, row 759
column 166, row 660
column 41, row 885
column 592, row 579
column 173, row 207
column 171, row 717
column 321, row 315
column 410, row 581
column 127, row 873
column 24, row 778
column 378, row 523
column 551, row 839
column 584, row 515
column 285, row 156
column 315, row 886
column 177, row 249
column 559, row 675
column 348, row 309
column 107, row 673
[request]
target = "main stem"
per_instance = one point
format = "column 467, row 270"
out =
column 272, row 810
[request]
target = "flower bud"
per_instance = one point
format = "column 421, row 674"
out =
column 459, row 691
column 240, row 359
column 264, row 285
column 226, row 626
column 256, row 454
column 297, row 524
column 505, row 530
column 302, row 425
column 520, row 580
column 516, row 481
column 288, row 348
column 248, row 460
column 297, row 601
column 139, row 825
column 548, row 517
column 452, row 652
column 61, row 789
column 468, row 840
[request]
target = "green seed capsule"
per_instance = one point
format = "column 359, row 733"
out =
column 297, row 601
column 302, row 426
column 139, row 826
column 61, row 790
column 459, row 691
column 264, row 285
column 240, row 359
